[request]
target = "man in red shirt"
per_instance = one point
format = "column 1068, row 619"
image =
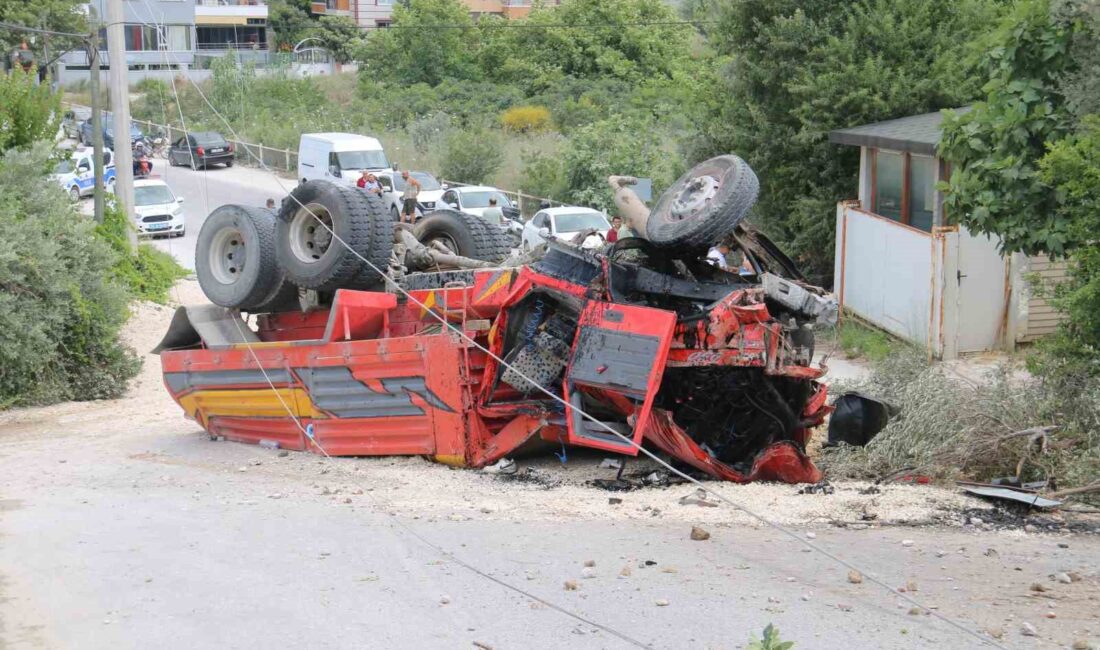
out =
column 613, row 234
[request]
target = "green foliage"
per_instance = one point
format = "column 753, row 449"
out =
column 472, row 156
column 429, row 132
column 60, row 311
column 29, row 111
column 614, row 46
column 858, row 340
column 789, row 71
column 771, row 640
column 619, row 145
column 56, row 15
column 340, row 35
column 291, row 20
column 423, row 55
column 543, row 175
column 525, row 119
column 148, row 273
column 1071, row 169
column 1081, row 86
column 995, row 148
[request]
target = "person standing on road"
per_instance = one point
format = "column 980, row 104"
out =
column 612, row 235
column 408, row 197
column 493, row 214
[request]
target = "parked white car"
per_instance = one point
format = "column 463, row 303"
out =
column 563, row 224
column 473, row 199
column 339, row 156
column 158, row 210
column 76, row 176
column 431, row 191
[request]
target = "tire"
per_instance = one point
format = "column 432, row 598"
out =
column 704, row 205
column 313, row 258
column 230, row 232
column 74, row 193
column 228, row 164
column 465, row 234
column 395, row 214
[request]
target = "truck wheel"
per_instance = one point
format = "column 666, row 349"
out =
column 704, row 205
column 316, row 259
column 465, row 234
column 235, row 257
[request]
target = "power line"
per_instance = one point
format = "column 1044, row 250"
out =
column 570, row 407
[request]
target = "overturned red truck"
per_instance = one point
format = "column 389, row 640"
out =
column 643, row 341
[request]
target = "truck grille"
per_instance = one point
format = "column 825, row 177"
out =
column 155, row 218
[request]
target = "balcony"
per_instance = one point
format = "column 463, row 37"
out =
column 229, row 3
column 230, row 12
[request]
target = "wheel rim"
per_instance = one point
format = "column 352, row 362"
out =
column 310, row 240
column 695, row 197
column 74, row 194
column 227, row 255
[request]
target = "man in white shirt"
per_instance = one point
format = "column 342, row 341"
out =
column 493, row 214
column 716, row 256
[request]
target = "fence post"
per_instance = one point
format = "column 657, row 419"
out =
column 286, row 153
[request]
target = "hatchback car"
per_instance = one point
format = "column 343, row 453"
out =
column 200, row 150
column 563, row 224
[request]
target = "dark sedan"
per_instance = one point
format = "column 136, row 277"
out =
column 108, row 132
column 200, row 150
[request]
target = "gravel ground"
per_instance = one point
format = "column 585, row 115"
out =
column 122, row 525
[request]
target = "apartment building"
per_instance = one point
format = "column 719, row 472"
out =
column 190, row 33
column 379, row 13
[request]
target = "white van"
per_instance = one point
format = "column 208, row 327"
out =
column 339, row 156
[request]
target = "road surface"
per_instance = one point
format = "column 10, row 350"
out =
column 205, row 190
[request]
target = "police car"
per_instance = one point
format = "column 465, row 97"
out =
column 76, row 176
column 157, row 209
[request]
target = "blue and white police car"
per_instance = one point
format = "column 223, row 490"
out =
column 75, row 175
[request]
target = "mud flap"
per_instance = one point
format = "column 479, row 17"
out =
column 619, row 353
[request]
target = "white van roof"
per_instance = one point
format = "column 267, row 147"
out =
column 346, row 141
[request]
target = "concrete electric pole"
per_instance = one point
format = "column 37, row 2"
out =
column 120, row 112
column 97, row 115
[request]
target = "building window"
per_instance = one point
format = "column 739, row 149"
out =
column 903, row 188
column 144, row 38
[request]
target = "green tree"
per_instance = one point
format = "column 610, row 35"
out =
column 472, row 156
column 430, row 40
column 1072, row 170
column 796, row 69
column 622, row 39
column 339, row 35
column 29, row 111
column 55, row 15
column 620, row 146
column 291, row 20
column 995, row 148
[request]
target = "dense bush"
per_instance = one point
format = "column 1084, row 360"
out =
column 148, row 273
column 60, row 308
column 29, row 111
column 472, row 156
column 525, row 119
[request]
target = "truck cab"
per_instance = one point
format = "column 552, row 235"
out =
column 339, row 157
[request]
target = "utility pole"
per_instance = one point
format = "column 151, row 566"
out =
column 97, row 117
column 120, row 111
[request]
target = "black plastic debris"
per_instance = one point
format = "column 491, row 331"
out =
column 857, row 419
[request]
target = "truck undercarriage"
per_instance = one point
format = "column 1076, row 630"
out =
column 634, row 345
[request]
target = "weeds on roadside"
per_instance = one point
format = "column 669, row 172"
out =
column 771, row 640
column 951, row 427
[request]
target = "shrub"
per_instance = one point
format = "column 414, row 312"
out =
column 60, row 307
column 472, row 156
column 29, row 111
column 525, row 119
column 543, row 175
column 148, row 273
column 429, row 133
column 950, row 428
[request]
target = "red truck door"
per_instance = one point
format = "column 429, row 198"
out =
column 617, row 361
